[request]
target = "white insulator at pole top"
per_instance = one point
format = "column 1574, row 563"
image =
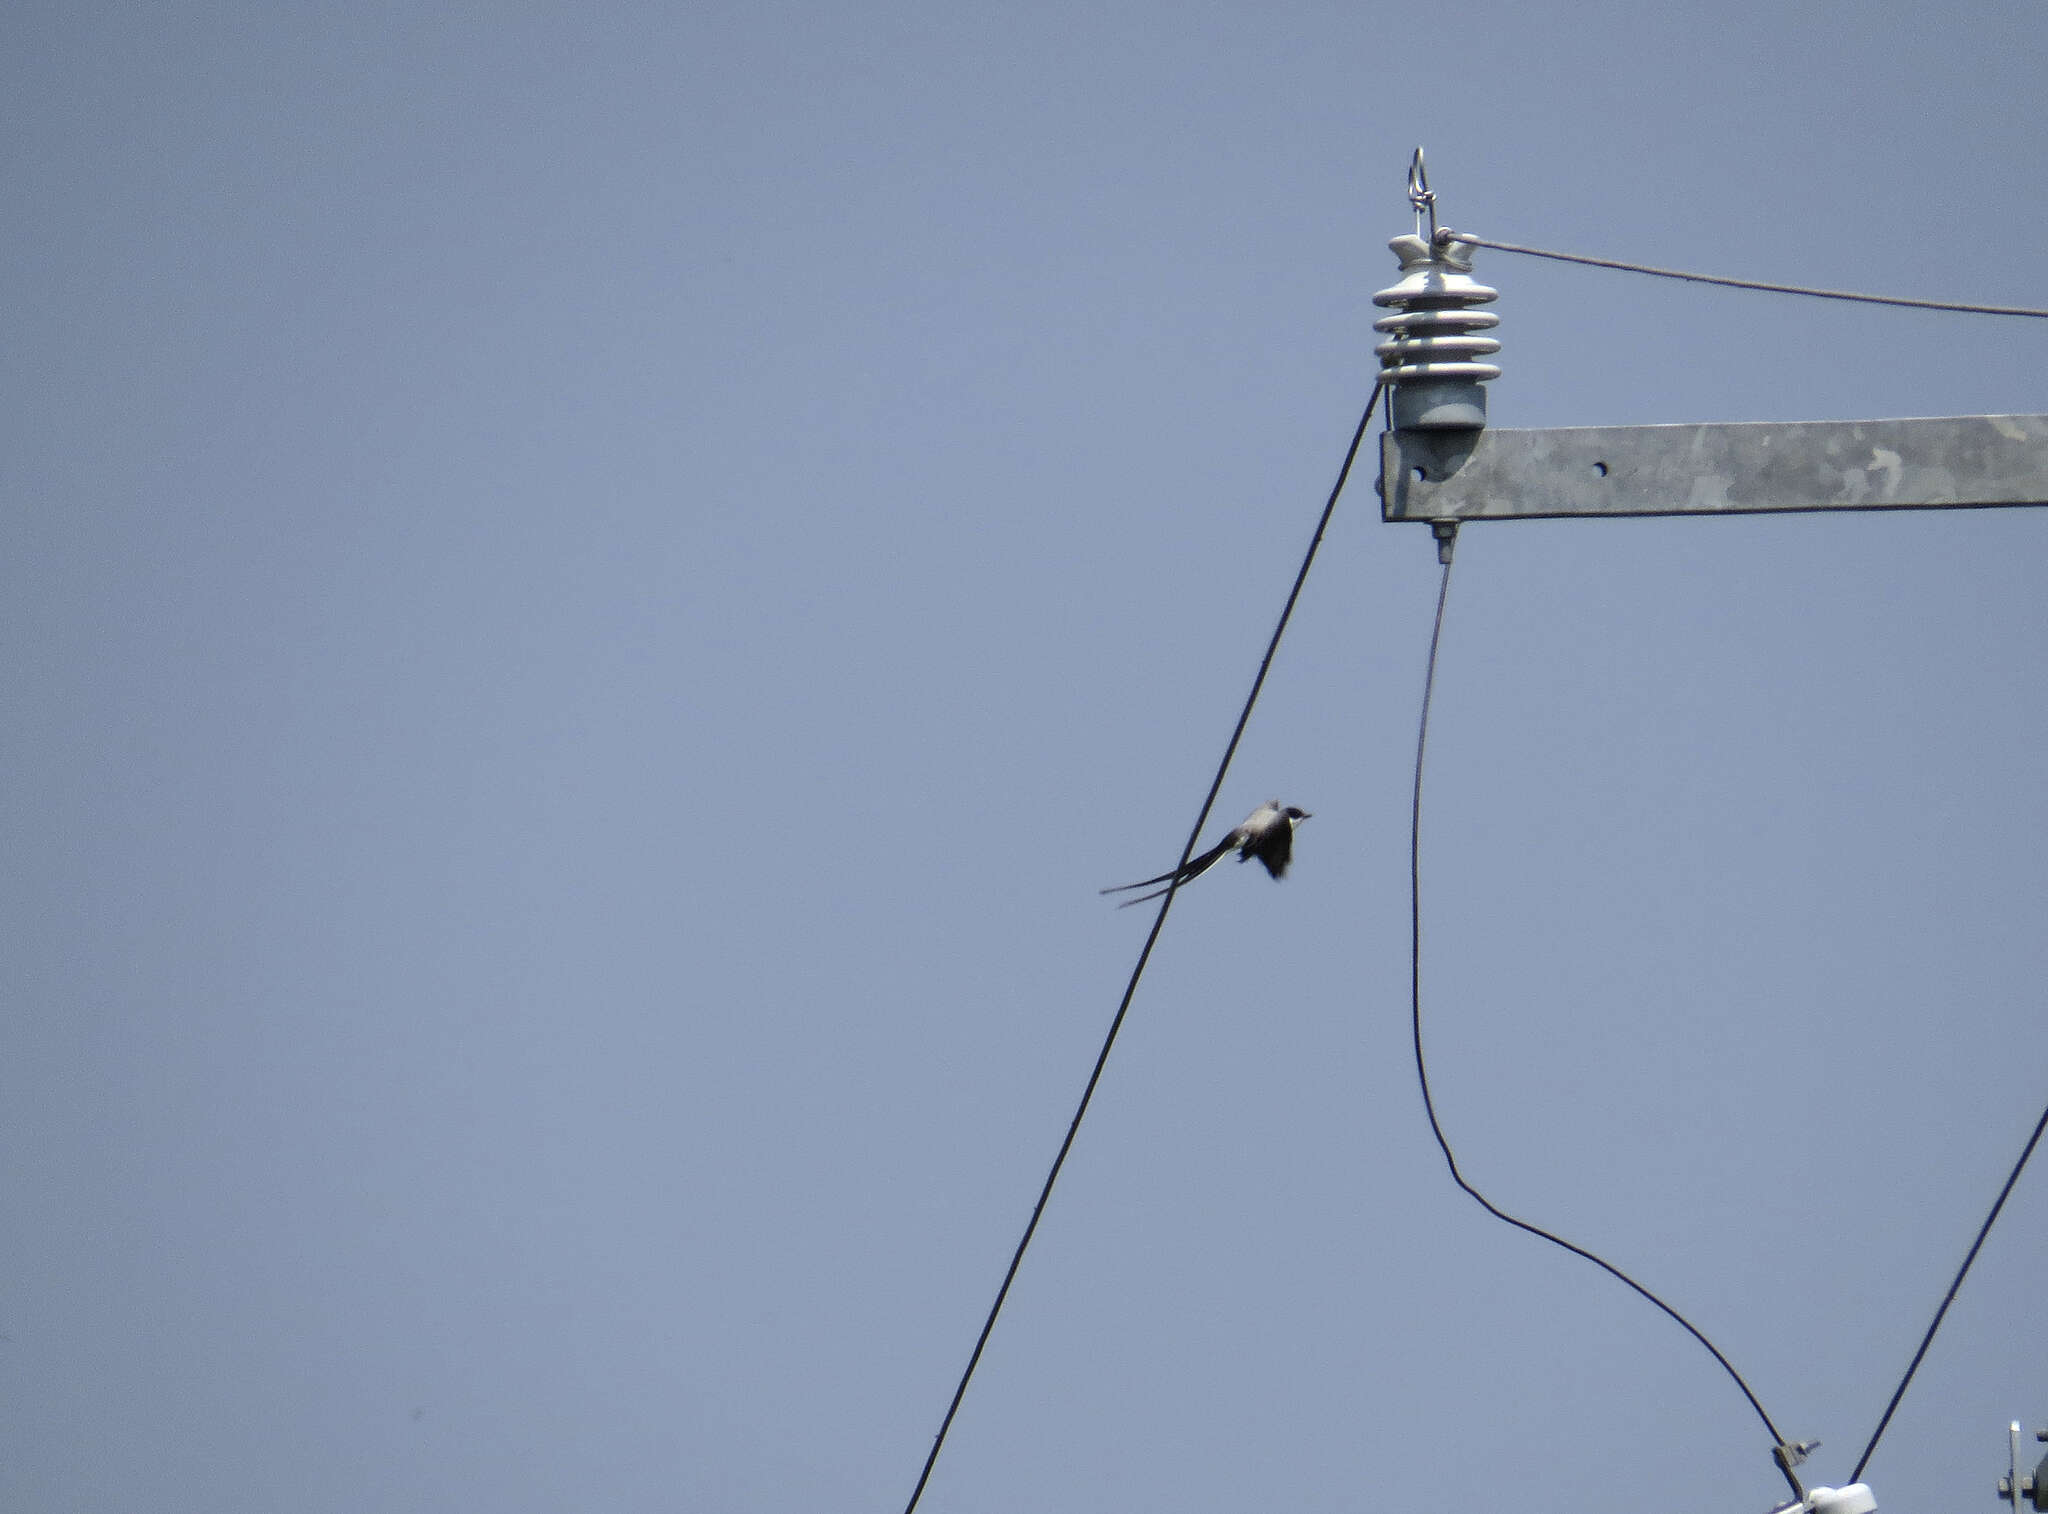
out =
column 1856, row 1498
column 1429, row 361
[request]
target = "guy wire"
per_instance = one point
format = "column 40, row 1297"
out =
column 1145, row 955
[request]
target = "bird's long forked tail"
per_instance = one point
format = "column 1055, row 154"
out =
column 1196, row 866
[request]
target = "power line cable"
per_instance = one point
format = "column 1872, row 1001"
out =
column 1956, row 307
column 1145, row 955
column 1786, row 1454
column 1961, row 1272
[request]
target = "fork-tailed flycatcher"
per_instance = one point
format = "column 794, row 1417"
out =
column 1267, row 833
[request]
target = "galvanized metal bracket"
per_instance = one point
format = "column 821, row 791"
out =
column 1948, row 462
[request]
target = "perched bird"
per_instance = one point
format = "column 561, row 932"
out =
column 1267, row 833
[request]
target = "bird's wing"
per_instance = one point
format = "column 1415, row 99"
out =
column 1277, row 850
column 1195, row 867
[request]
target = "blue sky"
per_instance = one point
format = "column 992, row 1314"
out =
column 591, row 593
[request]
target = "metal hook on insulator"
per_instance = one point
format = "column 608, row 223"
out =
column 1420, row 195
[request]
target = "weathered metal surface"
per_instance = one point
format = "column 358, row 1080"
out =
column 1945, row 462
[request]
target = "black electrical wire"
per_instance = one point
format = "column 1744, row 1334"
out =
column 1422, row 1068
column 1961, row 1272
column 1145, row 955
column 1955, row 307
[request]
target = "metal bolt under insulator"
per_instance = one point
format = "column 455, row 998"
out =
column 1429, row 364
